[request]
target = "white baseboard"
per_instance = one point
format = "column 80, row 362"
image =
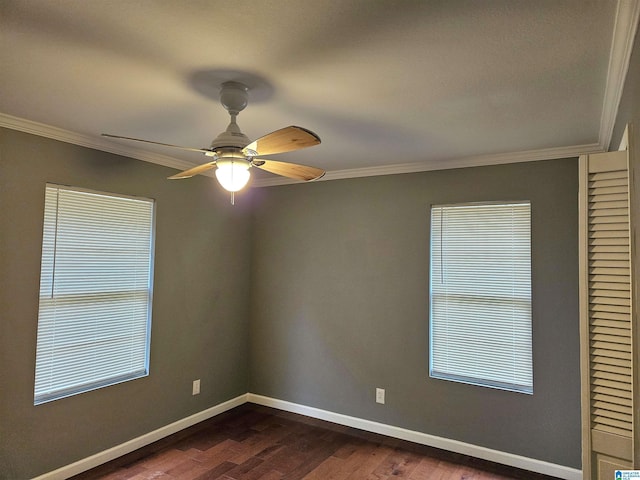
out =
column 141, row 441
column 525, row 463
column 503, row 458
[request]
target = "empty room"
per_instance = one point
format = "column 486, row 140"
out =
column 319, row 239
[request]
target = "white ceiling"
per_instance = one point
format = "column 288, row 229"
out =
column 389, row 86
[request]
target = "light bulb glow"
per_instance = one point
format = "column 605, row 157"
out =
column 234, row 174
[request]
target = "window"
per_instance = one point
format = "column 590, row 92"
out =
column 480, row 306
column 95, row 292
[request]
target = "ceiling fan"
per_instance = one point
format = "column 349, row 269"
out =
column 233, row 154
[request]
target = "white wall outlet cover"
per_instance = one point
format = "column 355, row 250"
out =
column 380, row 395
column 196, row 387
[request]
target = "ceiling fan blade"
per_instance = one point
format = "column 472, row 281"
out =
column 290, row 170
column 193, row 171
column 201, row 150
column 283, row 140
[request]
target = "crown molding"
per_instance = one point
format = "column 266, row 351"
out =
column 624, row 32
column 447, row 164
column 625, row 27
column 67, row 136
column 55, row 133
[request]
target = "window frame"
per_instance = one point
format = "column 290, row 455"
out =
column 87, row 292
column 476, row 378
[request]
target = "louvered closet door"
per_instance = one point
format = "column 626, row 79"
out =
column 607, row 359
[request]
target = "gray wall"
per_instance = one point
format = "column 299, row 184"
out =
column 200, row 313
column 335, row 283
column 340, row 305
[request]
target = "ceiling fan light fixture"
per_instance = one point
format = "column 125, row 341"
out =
column 232, row 152
column 233, row 174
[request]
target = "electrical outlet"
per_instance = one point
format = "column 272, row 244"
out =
column 195, row 390
column 380, row 395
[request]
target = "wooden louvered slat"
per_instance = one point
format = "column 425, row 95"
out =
column 612, row 393
column 611, row 353
column 604, row 175
column 612, row 278
column 609, row 287
column 606, row 418
column 615, row 396
column 604, row 319
column 613, row 384
column 613, row 197
column 609, row 223
column 613, row 400
column 609, row 203
column 609, row 255
column 597, row 187
column 619, row 348
column 610, row 308
column 620, row 335
column 610, row 339
column 615, row 190
column 611, row 364
column 595, row 184
column 620, row 240
column 607, row 190
column 626, row 410
column 616, row 382
column 610, row 342
column 612, row 369
column 601, row 230
column 617, row 234
column 612, row 304
column 620, row 176
column 609, row 263
column 603, row 226
column 618, row 289
column 614, row 377
column 611, row 324
column 610, row 361
column 623, row 248
column 601, row 292
column 612, row 215
column 607, row 211
column 615, row 176
column 614, row 241
column 611, row 329
column 613, row 415
column 610, row 357
column 623, row 302
column 618, row 318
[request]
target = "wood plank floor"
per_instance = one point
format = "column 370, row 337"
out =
column 252, row 442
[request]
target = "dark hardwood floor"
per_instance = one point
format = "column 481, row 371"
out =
column 252, row 442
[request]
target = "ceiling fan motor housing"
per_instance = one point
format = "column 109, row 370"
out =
column 234, row 97
column 232, row 137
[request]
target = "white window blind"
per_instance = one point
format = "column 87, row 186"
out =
column 95, row 292
column 480, row 303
